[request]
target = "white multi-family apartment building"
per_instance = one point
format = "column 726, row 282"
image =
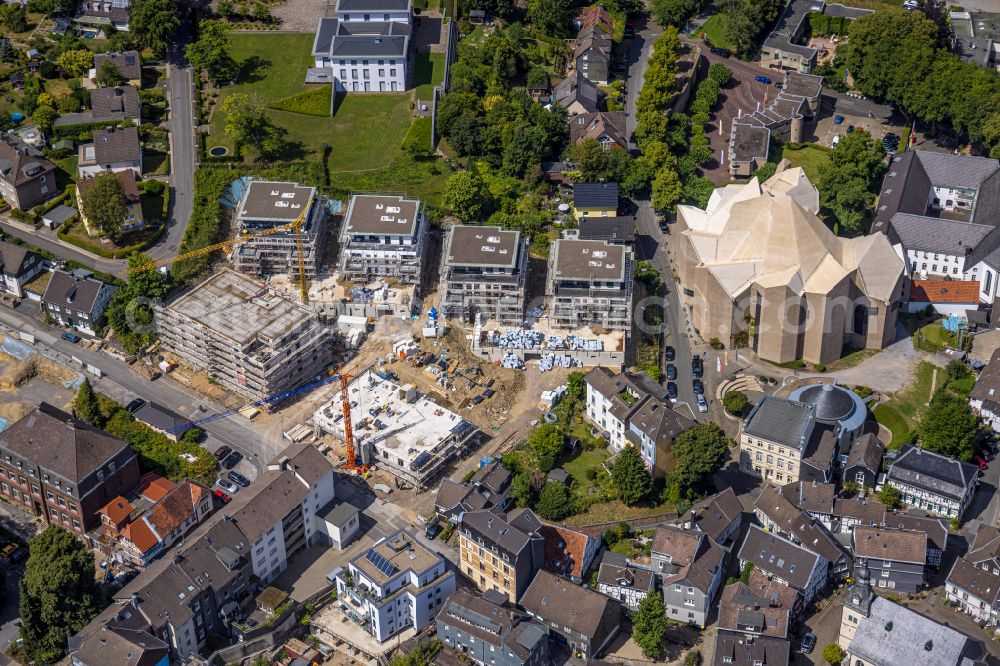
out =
column 382, row 237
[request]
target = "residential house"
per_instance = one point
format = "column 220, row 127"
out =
column 364, row 46
column 946, row 297
column 875, row 631
column 595, row 200
column 607, row 127
column 936, row 529
column 270, row 205
column 489, row 488
column 631, row 410
column 131, row 198
column 584, row 620
column 26, row 178
column 567, row 552
column 624, row 582
column 77, row 300
column 592, row 54
column 129, row 64
column 102, row 14
column 593, row 16
column 975, row 590
column 719, row 516
column 691, row 567
column 985, row 395
column 590, row 284
column 64, row 470
column 341, row 523
column 759, row 607
column 793, row 565
column 495, row 555
column 120, row 645
column 780, row 516
column 619, row 230
column 896, row 557
column 933, row 482
column 781, row 443
column 864, row 463
column 396, row 584
column 110, row 105
column 484, row 273
column 383, row 237
column 164, row 421
column 737, row 650
column 19, row 266
column 490, row 630
column 168, row 521
column 985, row 549
column 577, row 94
column 110, row 150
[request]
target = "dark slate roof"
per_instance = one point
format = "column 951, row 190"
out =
column 129, row 63
column 116, row 103
column 805, row 529
column 636, row 578
column 977, row 582
column 831, row 402
column 557, row 600
column 277, row 494
column 14, row 258
column 778, row 557
column 987, row 386
column 780, row 420
column 60, row 443
column 595, row 195
column 162, row 418
column 835, row 9
column 866, row 452
column 658, row 421
column 497, row 624
column 611, row 229
column 737, row 649
column 714, row 515
column 120, row 145
column 495, row 530
column 373, row 6
column 120, row 646
column 20, row 163
column 371, row 38
column 932, row 472
column 918, row 232
column 492, row 477
column 66, row 289
column 577, row 88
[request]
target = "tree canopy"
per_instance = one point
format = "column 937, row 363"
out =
column 890, row 497
column 848, row 180
column 247, row 124
column 76, row 62
column 465, row 193
column 554, row 502
column 103, row 204
column 747, row 19
column 700, row 452
column 153, row 23
column 109, row 76
column 649, row 627
column 58, row 593
column 130, row 311
column 630, row 476
column 948, row 426
column 86, row 406
column 547, row 441
column 212, row 51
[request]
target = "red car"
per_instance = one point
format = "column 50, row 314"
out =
column 223, row 496
column 980, row 462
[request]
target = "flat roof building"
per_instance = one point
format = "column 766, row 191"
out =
column 484, row 273
column 244, row 336
column 383, row 236
column 590, row 283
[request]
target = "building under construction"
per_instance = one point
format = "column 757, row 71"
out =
column 590, row 283
column 244, row 336
column 398, row 429
column 269, row 204
column 383, row 237
column 484, row 272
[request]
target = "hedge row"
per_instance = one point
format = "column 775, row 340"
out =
column 96, row 248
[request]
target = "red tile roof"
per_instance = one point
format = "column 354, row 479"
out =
column 140, row 535
column 945, row 291
column 177, row 506
column 117, row 509
column 565, row 550
column 590, row 17
column 153, row 487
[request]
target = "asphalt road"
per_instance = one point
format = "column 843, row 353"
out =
column 122, row 383
column 48, row 241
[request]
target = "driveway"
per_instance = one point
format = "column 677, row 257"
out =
column 639, row 48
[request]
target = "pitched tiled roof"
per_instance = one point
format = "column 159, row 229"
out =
column 741, row 608
column 805, row 529
column 20, row 164
column 986, row 545
column 779, row 557
column 978, row 582
column 117, row 509
column 866, row 452
column 577, row 88
column 889, row 544
column 934, row 472
column 119, row 102
column 305, row 460
column 14, row 258
column 566, row 559
column 714, row 515
column 177, row 506
column 934, row 527
column 945, row 291
column 129, row 63
column 988, row 385
column 141, row 535
column 153, row 487
column 593, row 125
column 626, row 576
column 815, row 497
column 594, row 16
column 499, row 625
column 120, row 145
column 121, row 647
column 557, row 600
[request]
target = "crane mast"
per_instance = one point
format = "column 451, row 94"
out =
column 352, row 463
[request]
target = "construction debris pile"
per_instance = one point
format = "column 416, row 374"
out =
column 551, row 361
column 365, row 294
column 512, row 361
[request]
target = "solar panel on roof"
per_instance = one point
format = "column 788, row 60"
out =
column 380, row 562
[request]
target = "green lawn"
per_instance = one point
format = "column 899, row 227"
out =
column 577, row 468
column 934, row 338
column 428, row 71
column 365, row 131
column 715, row 31
column 809, row 157
column 155, row 162
column 902, row 412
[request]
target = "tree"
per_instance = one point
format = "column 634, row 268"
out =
column 833, row 654
column 576, row 385
column 948, row 426
column 675, row 12
column 550, row 17
column 153, row 23
column 554, row 502
column 890, row 497
column 646, row 273
column 698, row 190
column 956, row 369
column 547, row 442
column 466, row 195
column 667, row 190
column 700, row 452
column 719, row 73
column 130, row 313
column 103, row 203
column 936, row 12
column 51, row 7
column 86, row 406
column 109, row 76
column 213, row 52
column 14, row 17
column 765, row 172
column 590, row 158
column 247, row 124
column 58, row 593
column 848, row 179
column 735, row 402
column 521, row 490
column 44, row 117
column 649, row 627
column 630, row 476
column 76, row 62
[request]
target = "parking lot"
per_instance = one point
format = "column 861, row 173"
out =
column 826, row 128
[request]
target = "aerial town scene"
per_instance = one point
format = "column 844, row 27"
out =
column 499, row 332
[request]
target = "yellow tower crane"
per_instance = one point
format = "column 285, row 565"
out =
column 295, row 225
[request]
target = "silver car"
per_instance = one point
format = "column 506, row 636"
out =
column 228, row 486
column 702, row 405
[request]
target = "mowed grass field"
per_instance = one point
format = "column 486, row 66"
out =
column 365, row 132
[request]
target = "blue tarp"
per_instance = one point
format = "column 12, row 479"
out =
column 953, row 323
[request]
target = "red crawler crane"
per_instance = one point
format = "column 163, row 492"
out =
column 352, row 464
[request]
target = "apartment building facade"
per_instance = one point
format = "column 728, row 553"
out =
column 64, row 470
column 775, row 438
column 396, row 584
column 267, row 205
column 576, row 616
column 690, row 565
column 490, row 630
column 590, row 284
column 935, row 483
column 18, row 266
column 484, row 273
column 26, row 178
column 383, row 236
column 244, row 336
column 496, row 555
column 896, row 558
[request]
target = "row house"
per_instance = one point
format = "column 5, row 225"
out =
column 932, row 482
column 793, row 565
column 583, row 620
column 624, row 582
column 896, row 558
column 489, row 488
column 490, row 630
column 691, row 566
column 975, row 590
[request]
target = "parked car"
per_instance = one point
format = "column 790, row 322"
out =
column 719, row 51
column 8, row 550
column 70, row 337
column 838, row 120
column 980, row 462
column 697, row 367
column 762, row 79
column 223, row 497
column 477, row 399
column 489, row 393
column 702, row 405
column 433, row 530
column 699, row 388
column 232, row 460
column 669, row 353
column 850, row 128
column 222, row 452
column 671, row 371
column 808, row 643
column 134, row 406
column 672, row 391
column 238, row 479
column 228, row 486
